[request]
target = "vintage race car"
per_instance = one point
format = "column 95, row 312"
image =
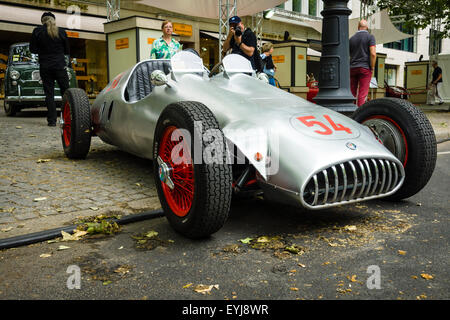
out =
column 214, row 135
column 23, row 84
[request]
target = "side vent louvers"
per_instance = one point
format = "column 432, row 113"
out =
column 352, row 180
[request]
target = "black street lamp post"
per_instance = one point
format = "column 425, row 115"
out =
column 334, row 75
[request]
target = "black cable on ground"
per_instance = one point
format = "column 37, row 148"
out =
column 45, row 235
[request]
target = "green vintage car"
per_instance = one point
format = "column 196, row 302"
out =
column 23, row 84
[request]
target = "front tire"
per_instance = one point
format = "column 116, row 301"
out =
column 195, row 195
column 76, row 124
column 408, row 134
column 10, row 108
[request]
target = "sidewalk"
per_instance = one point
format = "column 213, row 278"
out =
column 439, row 116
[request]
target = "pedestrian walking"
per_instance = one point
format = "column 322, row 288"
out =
column 436, row 84
column 166, row 46
column 51, row 45
column 362, row 62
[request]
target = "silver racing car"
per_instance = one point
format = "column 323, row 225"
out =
column 214, row 135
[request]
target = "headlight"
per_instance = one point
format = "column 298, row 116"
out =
column 69, row 75
column 14, row 74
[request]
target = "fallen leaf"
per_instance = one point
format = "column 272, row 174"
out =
column 414, row 277
column 32, row 135
column 18, row 127
column 294, row 249
column 246, row 240
column 105, row 283
column 151, row 234
column 301, row 265
column 203, row 289
column 40, row 199
column 350, row 228
column 401, row 252
column 426, row 276
column 74, row 237
column 188, row 285
column 7, row 229
column 63, row 248
column 45, row 255
column 353, row 278
column 93, row 208
column 294, row 289
column 43, row 160
column 263, row 239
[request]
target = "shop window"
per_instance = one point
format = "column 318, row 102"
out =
column 91, row 64
column 312, row 8
column 209, row 50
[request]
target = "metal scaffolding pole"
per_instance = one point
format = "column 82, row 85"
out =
column 112, row 10
column 257, row 24
column 227, row 9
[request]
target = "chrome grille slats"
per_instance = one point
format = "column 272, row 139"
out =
column 375, row 182
column 389, row 176
column 316, row 190
column 344, row 174
column 336, row 184
column 327, row 187
column 353, row 180
column 383, row 169
column 363, row 173
column 369, row 172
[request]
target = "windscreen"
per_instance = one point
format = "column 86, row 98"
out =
column 236, row 63
column 22, row 54
column 187, row 62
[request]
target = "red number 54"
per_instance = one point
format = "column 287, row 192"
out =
column 310, row 121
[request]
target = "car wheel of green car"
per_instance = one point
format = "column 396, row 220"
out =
column 10, row 108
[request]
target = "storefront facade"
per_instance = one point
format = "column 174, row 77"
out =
column 94, row 41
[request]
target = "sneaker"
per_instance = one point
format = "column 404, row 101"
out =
column 442, row 102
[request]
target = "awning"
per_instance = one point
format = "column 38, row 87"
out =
column 210, row 8
column 30, row 16
column 380, row 25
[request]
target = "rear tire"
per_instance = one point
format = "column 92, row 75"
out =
column 76, row 129
column 195, row 196
column 408, row 134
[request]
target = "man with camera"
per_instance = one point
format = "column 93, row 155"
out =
column 240, row 40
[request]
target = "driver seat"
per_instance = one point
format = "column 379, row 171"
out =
column 139, row 85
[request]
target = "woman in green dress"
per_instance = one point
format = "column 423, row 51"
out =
column 165, row 47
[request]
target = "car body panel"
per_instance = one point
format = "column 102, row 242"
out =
column 297, row 139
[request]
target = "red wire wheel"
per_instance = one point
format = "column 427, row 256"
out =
column 194, row 189
column 66, row 126
column 180, row 171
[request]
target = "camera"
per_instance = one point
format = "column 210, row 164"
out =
column 238, row 31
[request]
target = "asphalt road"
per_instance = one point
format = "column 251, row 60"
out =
column 370, row 250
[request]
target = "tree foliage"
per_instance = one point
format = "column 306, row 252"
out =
column 420, row 13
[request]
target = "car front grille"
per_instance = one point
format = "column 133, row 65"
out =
column 353, row 180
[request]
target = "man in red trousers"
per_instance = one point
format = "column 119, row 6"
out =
column 363, row 57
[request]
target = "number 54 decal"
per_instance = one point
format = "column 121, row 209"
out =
column 310, row 121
